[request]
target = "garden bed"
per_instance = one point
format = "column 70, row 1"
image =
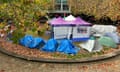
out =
column 37, row 55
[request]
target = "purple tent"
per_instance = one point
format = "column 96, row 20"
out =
column 58, row 21
column 80, row 21
column 70, row 18
column 81, row 32
column 61, row 21
column 76, row 30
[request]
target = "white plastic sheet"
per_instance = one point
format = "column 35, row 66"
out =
column 91, row 45
column 102, row 29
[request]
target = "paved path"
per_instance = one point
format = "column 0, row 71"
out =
column 11, row 64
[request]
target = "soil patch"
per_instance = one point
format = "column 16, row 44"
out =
column 83, row 55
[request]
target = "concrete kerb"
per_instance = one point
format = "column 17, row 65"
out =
column 81, row 60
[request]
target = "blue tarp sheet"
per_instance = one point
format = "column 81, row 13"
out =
column 67, row 47
column 50, row 46
column 31, row 42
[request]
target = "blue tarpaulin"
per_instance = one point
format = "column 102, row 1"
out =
column 67, row 47
column 31, row 42
column 50, row 46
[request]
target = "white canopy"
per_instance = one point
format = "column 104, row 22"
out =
column 70, row 18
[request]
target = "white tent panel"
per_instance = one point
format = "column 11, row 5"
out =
column 61, row 32
column 81, row 32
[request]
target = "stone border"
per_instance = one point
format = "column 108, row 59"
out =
column 105, row 56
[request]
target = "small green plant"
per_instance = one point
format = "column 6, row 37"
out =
column 78, row 56
column 17, row 35
column 41, row 32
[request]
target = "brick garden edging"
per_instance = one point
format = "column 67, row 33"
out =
column 88, row 59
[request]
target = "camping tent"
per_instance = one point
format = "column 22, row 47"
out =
column 50, row 46
column 60, row 28
column 107, row 41
column 114, row 36
column 81, row 30
column 76, row 30
column 57, row 21
column 31, row 42
column 67, row 47
column 70, row 18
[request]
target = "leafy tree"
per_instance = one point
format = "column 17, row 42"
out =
column 98, row 8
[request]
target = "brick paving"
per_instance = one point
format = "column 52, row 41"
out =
column 12, row 64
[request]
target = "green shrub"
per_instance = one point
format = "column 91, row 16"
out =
column 17, row 35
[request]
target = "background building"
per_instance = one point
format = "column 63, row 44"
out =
column 97, row 8
column 60, row 7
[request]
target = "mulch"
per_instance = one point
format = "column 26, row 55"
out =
column 36, row 53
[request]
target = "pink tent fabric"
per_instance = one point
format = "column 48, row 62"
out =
column 58, row 21
column 80, row 21
column 61, row 21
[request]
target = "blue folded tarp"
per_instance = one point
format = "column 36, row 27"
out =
column 67, row 47
column 26, row 40
column 31, row 42
column 50, row 46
